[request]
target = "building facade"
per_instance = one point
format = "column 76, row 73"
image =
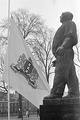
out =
column 14, row 105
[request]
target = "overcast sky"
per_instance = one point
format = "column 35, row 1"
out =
column 50, row 10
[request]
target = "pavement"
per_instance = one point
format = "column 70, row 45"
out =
column 31, row 117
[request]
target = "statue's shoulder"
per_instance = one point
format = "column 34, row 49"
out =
column 70, row 22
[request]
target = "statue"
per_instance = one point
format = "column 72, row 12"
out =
column 62, row 48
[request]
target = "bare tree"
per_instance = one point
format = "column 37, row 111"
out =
column 42, row 50
column 28, row 24
column 3, row 86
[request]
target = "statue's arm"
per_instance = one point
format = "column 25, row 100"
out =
column 70, row 35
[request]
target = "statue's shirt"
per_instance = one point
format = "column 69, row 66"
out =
column 68, row 29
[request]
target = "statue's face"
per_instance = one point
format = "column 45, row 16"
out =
column 61, row 18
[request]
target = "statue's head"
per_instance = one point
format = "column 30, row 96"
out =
column 65, row 16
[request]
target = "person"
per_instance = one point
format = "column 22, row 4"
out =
column 37, row 112
column 62, row 48
column 27, row 113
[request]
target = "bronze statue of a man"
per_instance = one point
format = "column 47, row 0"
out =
column 62, row 48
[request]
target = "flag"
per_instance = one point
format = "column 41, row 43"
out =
column 25, row 75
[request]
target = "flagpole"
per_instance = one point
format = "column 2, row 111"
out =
column 8, row 61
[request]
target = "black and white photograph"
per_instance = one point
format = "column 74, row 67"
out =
column 39, row 60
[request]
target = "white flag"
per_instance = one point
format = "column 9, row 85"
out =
column 25, row 75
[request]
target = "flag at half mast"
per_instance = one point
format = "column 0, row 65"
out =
column 25, row 75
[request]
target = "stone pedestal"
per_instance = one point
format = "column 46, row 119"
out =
column 60, row 109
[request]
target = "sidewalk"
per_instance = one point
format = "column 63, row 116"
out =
column 32, row 117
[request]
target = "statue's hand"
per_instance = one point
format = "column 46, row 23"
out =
column 60, row 51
